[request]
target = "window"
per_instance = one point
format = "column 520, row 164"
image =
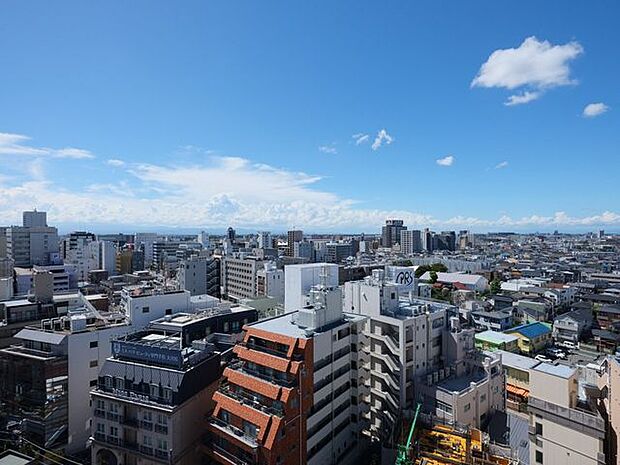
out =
column 162, row 444
column 100, row 404
column 94, row 363
column 94, row 344
column 113, row 431
column 250, row 429
column 93, row 382
column 539, row 456
column 224, row 416
column 147, row 440
column 162, row 419
column 226, row 326
column 113, row 408
column 154, row 390
column 146, row 309
column 483, row 397
column 168, row 394
column 539, row 429
column 467, row 407
column 168, row 311
column 108, row 381
column 147, row 416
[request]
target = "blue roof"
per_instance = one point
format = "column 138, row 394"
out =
column 530, row 330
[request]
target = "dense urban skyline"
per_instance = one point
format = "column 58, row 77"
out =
column 329, row 118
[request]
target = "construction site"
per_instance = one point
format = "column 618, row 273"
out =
column 432, row 443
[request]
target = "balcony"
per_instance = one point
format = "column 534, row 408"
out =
column 230, row 430
column 282, row 382
column 250, row 401
column 271, row 351
column 236, row 459
column 161, row 429
column 131, row 422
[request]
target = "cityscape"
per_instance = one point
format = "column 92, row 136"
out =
column 405, row 346
column 309, row 233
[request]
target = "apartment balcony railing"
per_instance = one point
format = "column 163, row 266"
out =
column 233, row 431
column 250, row 401
column 272, row 351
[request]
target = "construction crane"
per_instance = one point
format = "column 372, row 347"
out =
column 404, row 450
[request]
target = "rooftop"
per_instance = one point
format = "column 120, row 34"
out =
column 530, row 330
column 495, row 337
column 520, row 362
column 561, row 371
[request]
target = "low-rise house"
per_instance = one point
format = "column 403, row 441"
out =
column 495, row 321
column 533, row 309
column 472, row 282
column 494, row 340
column 573, row 325
column 606, row 341
column 517, row 370
column 607, row 315
column 533, row 337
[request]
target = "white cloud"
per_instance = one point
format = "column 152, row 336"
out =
column 535, row 66
column 594, row 109
column 238, row 192
column 360, row 138
column 501, row 165
column 115, row 162
column 328, row 149
column 519, row 99
column 17, row 144
column 382, row 138
column 446, row 161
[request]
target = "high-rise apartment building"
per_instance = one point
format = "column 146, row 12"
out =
column 200, row 274
column 292, row 237
column 390, row 233
column 270, row 282
column 238, row 276
column 264, row 240
column 294, row 395
column 410, row 241
column 32, row 245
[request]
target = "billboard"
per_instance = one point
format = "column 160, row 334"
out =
column 403, row 276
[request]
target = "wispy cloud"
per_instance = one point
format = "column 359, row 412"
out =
column 382, row 138
column 328, row 149
column 446, row 161
column 594, row 109
column 115, row 162
column 360, row 138
column 501, row 165
column 17, row 144
column 534, row 66
column 520, row 99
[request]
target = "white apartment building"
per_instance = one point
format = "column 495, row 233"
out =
column 270, row 282
column 406, row 341
column 564, row 430
column 199, row 275
column 299, row 279
column 238, row 276
column 410, row 241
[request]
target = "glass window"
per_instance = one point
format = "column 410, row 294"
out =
column 539, row 456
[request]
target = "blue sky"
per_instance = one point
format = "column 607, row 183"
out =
column 203, row 114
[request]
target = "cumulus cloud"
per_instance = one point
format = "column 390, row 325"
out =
column 534, row 66
column 115, row 162
column 501, row 165
column 18, row 144
column 328, row 149
column 594, row 109
column 360, row 138
column 382, row 138
column 446, row 161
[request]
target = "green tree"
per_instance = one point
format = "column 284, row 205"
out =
column 439, row 267
column 496, row 286
column 433, row 275
column 421, row 270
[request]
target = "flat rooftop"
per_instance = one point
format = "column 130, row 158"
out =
column 562, row 371
column 284, row 325
column 495, row 337
column 517, row 361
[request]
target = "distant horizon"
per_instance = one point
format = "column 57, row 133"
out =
column 331, row 115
